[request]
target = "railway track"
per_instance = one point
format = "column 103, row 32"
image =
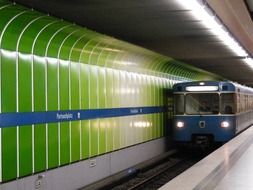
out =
column 157, row 176
column 149, row 181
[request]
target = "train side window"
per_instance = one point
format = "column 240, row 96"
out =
column 228, row 103
column 179, row 103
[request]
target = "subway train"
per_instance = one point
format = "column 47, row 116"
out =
column 69, row 94
column 207, row 112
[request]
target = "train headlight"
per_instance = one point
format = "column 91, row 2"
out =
column 180, row 124
column 225, row 124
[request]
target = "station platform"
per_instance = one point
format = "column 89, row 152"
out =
column 229, row 167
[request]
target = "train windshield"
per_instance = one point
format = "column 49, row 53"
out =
column 202, row 103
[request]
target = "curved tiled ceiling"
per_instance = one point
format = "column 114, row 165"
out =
column 165, row 27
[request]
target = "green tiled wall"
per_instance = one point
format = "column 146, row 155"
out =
column 47, row 64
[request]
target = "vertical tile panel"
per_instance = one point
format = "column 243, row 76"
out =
column 128, row 103
column 52, row 95
column 116, row 131
column 163, row 86
column 154, row 103
column 149, row 116
column 94, row 135
column 39, row 105
column 135, row 101
column 145, row 95
column 161, row 104
column 122, row 100
column 142, row 95
column 94, row 124
column 132, row 99
column 108, row 101
column 101, row 105
column 64, row 105
column 25, row 105
column 140, row 88
column 85, row 128
column 102, row 136
column 139, row 100
column 8, row 99
column 102, row 87
column 75, row 125
column 93, row 87
column 153, row 95
column 157, row 104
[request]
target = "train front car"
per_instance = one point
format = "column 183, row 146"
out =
column 205, row 112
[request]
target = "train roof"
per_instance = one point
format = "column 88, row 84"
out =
column 219, row 86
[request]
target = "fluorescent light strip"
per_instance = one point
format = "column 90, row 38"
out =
column 201, row 88
column 201, row 12
column 249, row 62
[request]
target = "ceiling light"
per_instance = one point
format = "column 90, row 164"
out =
column 203, row 13
column 249, row 61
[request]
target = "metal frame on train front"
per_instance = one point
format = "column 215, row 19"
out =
column 205, row 124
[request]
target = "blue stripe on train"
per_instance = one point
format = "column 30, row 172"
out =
column 29, row 118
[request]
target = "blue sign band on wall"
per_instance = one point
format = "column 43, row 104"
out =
column 29, row 118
